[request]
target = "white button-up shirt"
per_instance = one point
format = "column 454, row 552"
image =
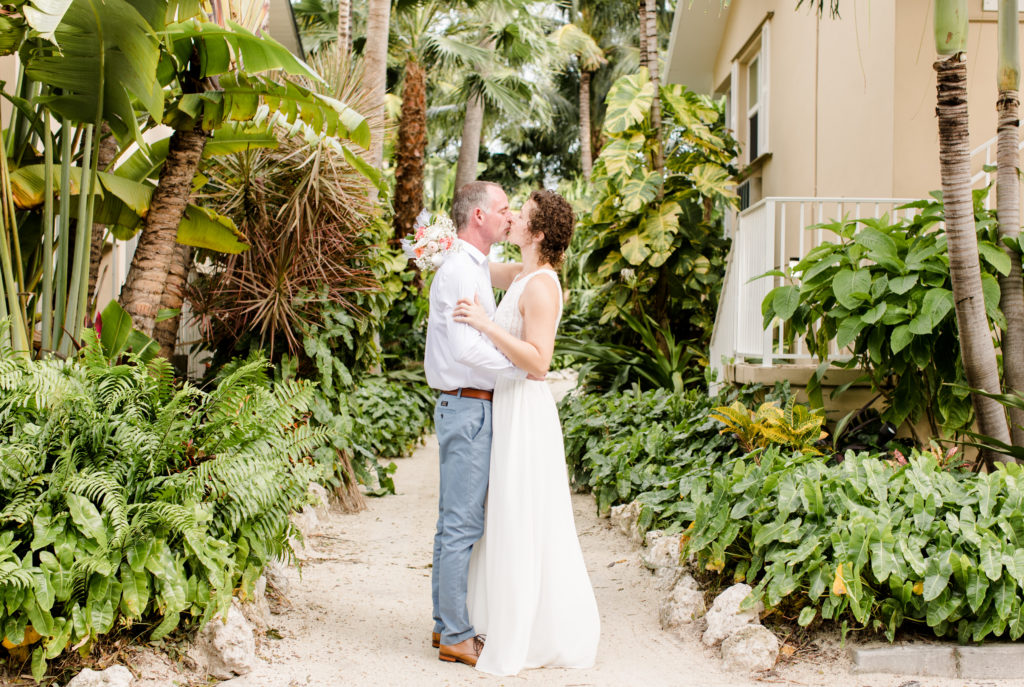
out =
column 457, row 355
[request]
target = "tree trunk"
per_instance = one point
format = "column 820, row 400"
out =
column 375, row 70
column 586, row 157
column 469, row 150
column 348, row 496
column 642, row 33
column 472, row 130
column 976, row 349
column 344, row 44
column 143, row 291
column 410, row 149
column 166, row 331
column 106, row 154
column 649, row 36
column 1011, row 300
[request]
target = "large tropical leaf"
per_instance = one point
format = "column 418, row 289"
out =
column 241, row 98
column 108, row 55
column 233, row 49
column 121, row 204
column 575, row 41
column 629, row 101
column 44, row 16
column 622, row 155
column 145, row 163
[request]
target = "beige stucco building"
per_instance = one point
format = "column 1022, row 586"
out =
column 835, row 117
column 832, row 107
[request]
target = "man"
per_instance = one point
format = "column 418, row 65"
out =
column 463, row 365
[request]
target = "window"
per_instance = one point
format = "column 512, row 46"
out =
column 749, row 91
column 753, row 107
column 993, row 5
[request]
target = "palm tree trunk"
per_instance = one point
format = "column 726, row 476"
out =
column 344, row 44
column 143, row 291
column 107, row 152
column 976, row 349
column 642, row 33
column 166, row 331
column 410, row 149
column 469, row 150
column 378, row 25
column 586, row 157
column 472, row 130
column 649, row 37
column 1011, row 286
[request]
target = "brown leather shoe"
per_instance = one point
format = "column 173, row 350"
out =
column 467, row 651
column 435, row 639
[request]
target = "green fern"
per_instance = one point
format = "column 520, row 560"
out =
column 124, row 493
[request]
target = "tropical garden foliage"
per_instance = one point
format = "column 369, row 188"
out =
column 650, row 256
column 872, row 541
column 883, row 289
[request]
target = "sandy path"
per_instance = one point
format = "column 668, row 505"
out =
column 360, row 614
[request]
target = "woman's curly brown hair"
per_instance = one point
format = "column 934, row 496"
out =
column 553, row 216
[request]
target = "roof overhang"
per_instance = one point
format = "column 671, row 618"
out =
column 697, row 30
column 281, row 25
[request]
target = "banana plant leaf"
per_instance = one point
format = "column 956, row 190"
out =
column 107, row 57
column 122, row 203
column 145, row 163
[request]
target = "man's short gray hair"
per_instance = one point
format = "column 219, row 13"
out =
column 469, row 197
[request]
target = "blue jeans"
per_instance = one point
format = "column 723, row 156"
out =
column 464, row 435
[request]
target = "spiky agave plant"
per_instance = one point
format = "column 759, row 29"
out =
column 305, row 210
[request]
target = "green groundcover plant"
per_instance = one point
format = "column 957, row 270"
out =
column 127, row 499
column 868, row 541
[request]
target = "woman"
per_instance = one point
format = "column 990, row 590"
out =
column 528, row 586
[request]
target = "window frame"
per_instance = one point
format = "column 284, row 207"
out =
column 757, row 48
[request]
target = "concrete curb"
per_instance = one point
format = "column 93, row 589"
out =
column 969, row 662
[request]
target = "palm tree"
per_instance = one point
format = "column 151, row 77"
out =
column 344, row 40
column 196, row 105
column 105, row 156
column 577, row 42
column 520, row 53
column 375, row 52
column 976, row 348
column 649, row 57
column 1011, row 286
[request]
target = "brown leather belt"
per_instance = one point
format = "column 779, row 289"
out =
column 471, row 393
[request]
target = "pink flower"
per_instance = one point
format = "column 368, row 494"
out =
column 420, row 231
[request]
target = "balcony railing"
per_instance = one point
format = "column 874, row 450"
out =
column 771, row 235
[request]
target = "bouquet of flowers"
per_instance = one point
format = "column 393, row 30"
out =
column 432, row 241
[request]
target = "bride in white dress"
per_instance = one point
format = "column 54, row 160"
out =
column 529, row 591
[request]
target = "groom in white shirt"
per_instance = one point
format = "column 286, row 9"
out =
column 463, row 365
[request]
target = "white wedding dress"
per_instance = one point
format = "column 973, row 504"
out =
column 529, row 591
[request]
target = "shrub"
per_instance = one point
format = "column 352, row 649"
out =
column 868, row 542
column 883, row 288
column 650, row 248
column 129, row 499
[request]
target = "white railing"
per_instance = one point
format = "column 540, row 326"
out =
column 771, row 235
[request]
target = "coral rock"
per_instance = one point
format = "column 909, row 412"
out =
column 625, row 518
column 682, row 606
column 114, row 676
column 725, row 616
column 750, row 648
column 225, row 647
